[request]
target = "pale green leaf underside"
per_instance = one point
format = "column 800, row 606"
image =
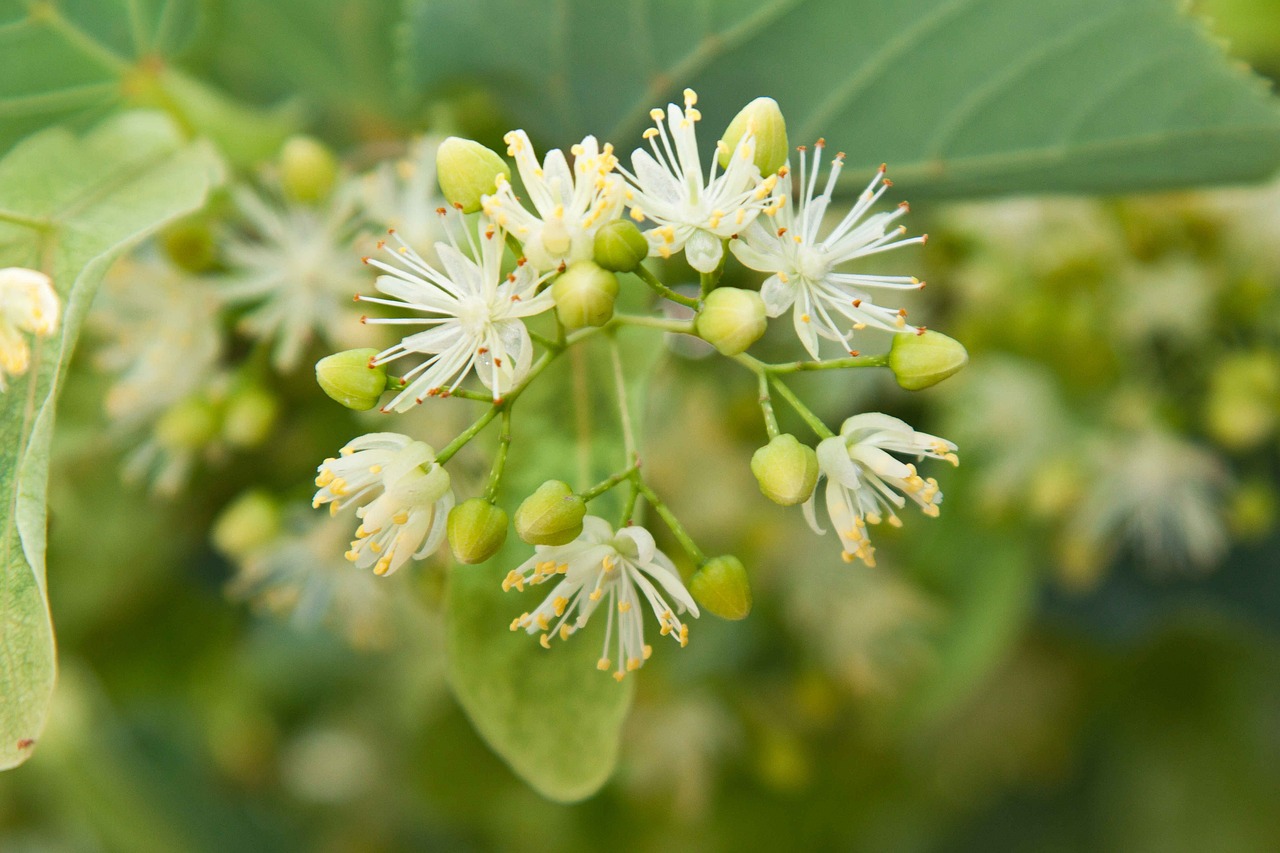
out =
column 960, row 97
column 68, row 206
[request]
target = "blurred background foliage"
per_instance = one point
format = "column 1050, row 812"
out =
column 1080, row 654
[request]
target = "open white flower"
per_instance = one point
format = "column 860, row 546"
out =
column 571, row 203
column 28, row 303
column 473, row 313
column 804, row 264
column 407, row 516
column 693, row 211
column 292, row 261
column 624, row 571
column 865, row 484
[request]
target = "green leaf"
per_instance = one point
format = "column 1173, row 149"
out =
column 960, row 97
column 68, row 207
column 77, row 60
column 550, row 714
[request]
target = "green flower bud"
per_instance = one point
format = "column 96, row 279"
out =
column 467, row 170
column 620, row 247
column 477, row 530
column 551, row 516
column 1243, row 403
column 190, row 245
column 250, row 415
column 584, row 295
column 763, row 118
column 1253, row 510
column 786, row 470
column 308, row 169
column 924, row 359
column 246, row 524
column 721, row 587
column 731, row 320
column 189, row 425
column 348, row 378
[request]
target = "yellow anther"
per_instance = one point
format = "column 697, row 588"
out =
column 618, row 676
column 401, row 517
column 603, row 664
column 560, row 603
column 545, row 641
column 565, row 631
column 382, row 566
column 648, row 651
column 633, row 664
column 352, row 555
column 690, row 97
column 375, row 469
column 656, row 114
column 624, row 606
column 596, row 596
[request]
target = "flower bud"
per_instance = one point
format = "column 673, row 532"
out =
column 786, row 470
column 731, row 319
column 921, row 360
column 467, row 170
column 721, row 586
column 763, row 118
column 190, row 245
column 551, row 516
column 584, row 295
column 308, row 169
column 477, row 530
column 246, row 524
column 191, row 424
column 1243, row 403
column 250, row 415
column 620, row 247
column 348, row 378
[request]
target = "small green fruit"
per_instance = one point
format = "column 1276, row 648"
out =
column 477, row 529
column 786, row 470
column 721, row 587
column 924, row 359
column 348, row 378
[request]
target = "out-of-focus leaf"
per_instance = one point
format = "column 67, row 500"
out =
column 69, row 207
column 961, row 97
column 63, row 60
column 551, row 715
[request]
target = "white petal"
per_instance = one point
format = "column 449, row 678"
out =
column 703, row 250
column 778, row 295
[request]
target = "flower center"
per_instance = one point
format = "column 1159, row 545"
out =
column 812, row 263
column 473, row 314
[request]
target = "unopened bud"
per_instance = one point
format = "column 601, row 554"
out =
column 731, row 320
column 721, row 586
column 250, row 415
column 620, row 247
column 246, row 524
column 349, row 378
column 477, row 530
column 762, row 118
column 308, row 169
column 552, row 515
column 1243, row 403
column 924, row 359
column 190, row 245
column 786, row 470
column 190, row 425
column 584, row 295
column 467, row 171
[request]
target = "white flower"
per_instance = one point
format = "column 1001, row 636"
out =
column 474, row 316
column 865, row 484
column 293, row 262
column 161, row 338
column 28, row 303
column 693, row 213
column 403, row 195
column 624, row 570
column 571, row 204
column 413, row 498
column 804, row 264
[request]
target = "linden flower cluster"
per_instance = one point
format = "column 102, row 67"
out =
column 522, row 276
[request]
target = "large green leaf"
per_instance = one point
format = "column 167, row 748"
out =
column 69, row 207
column 66, row 60
column 960, row 97
column 550, row 714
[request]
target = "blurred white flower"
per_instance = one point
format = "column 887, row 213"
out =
column 624, row 570
column 474, row 314
column 865, row 484
column 406, row 498
column 570, row 203
column 693, row 212
column 403, row 195
column 160, row 336
column 293, row 262
column 28, row 303
column 803, row 265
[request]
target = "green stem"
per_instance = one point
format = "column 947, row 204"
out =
column 605, row 485
column 624, row 410
column 499, row 461
column 652, row 280
column 640, row 321
column 546, row 342
column 629, row 509
column 466, row 435
column 677, row 529
column 815, row 423
column 833, row 364
column 766, row 406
